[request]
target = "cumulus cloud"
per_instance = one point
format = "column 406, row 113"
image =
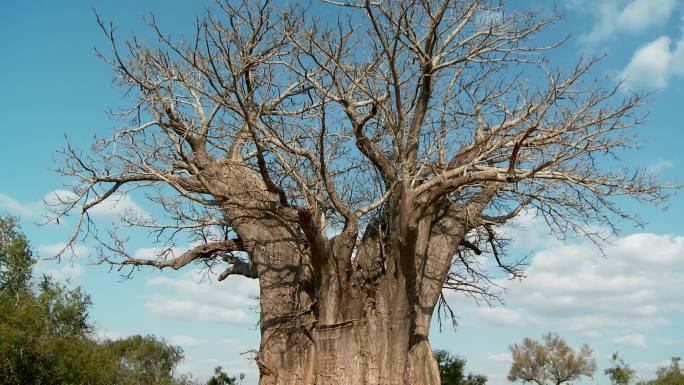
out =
column 203, row 300
column 233, row 344
column 529, row 232
column 650, row 65
column 630, row 290
column 70, row 270
column 235, row 357
column 192, row 311
column 625, row 16
column 500, row 359
column 115, row 205
column 631, row 340
column 495, row 366
column 622, row 298
column 504, row 317
column 654, row 64
column 186, row 341
column 646, row 369
column 24, row 210
column 577, row 285
column 50, row 250
column 158, row 252
column 119, row 205
column 639, row 15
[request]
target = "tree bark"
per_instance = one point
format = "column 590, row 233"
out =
column 331, row 319
column 367, row 327
column 372, row 342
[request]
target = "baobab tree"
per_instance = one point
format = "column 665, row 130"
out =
column 356, row 164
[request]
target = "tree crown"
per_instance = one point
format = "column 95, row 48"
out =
column 406, row 114
column 551, row 361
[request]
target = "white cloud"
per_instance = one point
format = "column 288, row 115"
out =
column 23, row 210
column 199, row 299
column 72, row 271
column 631, row 340
column 629, row 291
column 504, row 317
column 189, row 310
column 625, row 16
column 623, row 296
column 654, row 65
column 77, row 250
column 495, row 366
column 639, row 15
column 115, row 205
column 118, row 205
column 500, row 359
column 201, row 367
column 193, row 286
column 627, row 283
column 647, row 369
column 660, row 165
column 59, row 196
column 186, row 341
column 650, row 66
column 158, row 252
column 528, row 231
column 69, row 271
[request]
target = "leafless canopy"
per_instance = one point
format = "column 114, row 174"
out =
column 410, row 112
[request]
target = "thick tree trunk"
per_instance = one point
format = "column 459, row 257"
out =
column 370, row 326
column 367, row 329
column 331, row 319
column 377, row 347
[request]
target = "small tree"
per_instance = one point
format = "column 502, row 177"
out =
column 672, row 375
column 451, row 370
column 145, row 359
column 16, row 259
column 620, row 373
column 222, row 378
column 552, row 362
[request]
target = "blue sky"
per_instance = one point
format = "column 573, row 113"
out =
column 629, row 300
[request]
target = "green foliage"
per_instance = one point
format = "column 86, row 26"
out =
column 16, row 259
column 144, row 360
column 44, row 333
column 46, row 338
column 221, row 378
column 451, row 370
column 620, row 373
column 671, row 375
